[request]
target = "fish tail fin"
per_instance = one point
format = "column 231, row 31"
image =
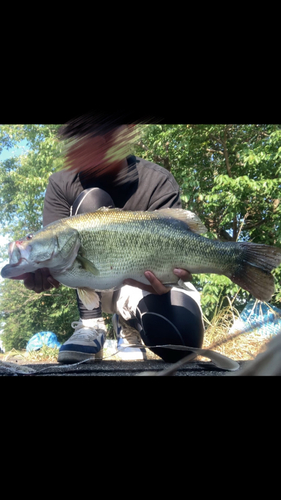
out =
column 254, row 272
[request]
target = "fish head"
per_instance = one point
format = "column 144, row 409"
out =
column 49, row 247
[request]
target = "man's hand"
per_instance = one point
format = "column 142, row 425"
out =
column 40, row 281
column 156, row 286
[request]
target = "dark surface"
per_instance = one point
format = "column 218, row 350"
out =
column 114, row 368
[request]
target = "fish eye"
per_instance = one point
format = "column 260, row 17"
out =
column 29, row 236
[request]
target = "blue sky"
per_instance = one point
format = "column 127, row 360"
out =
column 20, row 149
column 5, row 154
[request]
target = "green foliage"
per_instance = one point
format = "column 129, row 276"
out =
column 229, row 175
column 25, row 313
column 23, row 182
column 23, row 179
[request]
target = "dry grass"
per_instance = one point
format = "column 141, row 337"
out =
column 44, row 355
column 243, row 347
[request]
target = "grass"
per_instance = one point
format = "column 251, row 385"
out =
column 244, row 347
column 44, row 355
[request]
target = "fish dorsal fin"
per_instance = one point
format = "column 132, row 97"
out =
column 106, row 209
column 89, row 298
column 191, row 219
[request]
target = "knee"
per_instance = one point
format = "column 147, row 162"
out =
column 174, row 319
column 91, row 199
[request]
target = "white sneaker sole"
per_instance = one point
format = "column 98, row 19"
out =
column 130, row 355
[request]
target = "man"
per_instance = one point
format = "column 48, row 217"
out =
column 100, row 175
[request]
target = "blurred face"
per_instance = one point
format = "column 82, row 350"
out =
column 103, row 155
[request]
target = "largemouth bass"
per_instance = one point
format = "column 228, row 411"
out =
column 98, row 251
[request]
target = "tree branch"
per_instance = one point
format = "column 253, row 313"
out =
column 225, row 151
column 215, row 151
column 241, row 226
column 234, row 236
column 167, row 164
column 223, row 234
column 256, row 224
column 217, row 139
column 226, row 154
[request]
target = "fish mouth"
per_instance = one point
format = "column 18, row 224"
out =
column 16, row 261
column 15, row 255
column 15, row 269
column 19, row 261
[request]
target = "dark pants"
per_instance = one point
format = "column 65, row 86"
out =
column 172, row 318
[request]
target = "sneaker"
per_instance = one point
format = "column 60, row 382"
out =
column 86, row 342
column 127, row 335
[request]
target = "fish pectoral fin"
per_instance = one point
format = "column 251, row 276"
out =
column 89, row 298
column 87, row 265
column 192, row 220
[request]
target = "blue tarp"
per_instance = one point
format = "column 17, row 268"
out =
column 37, row 341
column 261, row 316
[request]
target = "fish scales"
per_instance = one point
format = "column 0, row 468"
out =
column 97, row 251
column 146, row 241
column 142, row 242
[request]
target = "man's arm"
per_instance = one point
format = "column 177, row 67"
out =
column 56, row 205
column 168, row 200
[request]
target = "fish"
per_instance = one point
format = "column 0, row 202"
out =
column 96, row 252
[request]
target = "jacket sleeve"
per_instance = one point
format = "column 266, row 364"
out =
column 165, row 194
column 55, row 204
column 168, row 200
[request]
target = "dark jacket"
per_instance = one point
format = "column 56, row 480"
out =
column 149, row 187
